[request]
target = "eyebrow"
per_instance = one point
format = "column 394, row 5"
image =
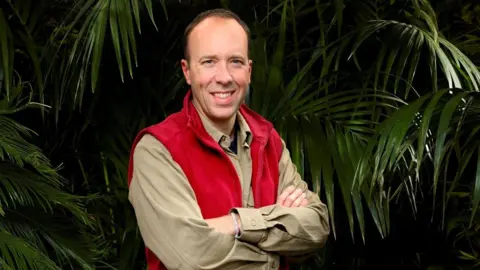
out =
column 212, row 56
column 236, row 56
column 208, row 56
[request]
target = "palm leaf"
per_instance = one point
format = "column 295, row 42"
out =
column 21, row 187
column 403, row 46
column 52, row 234
column 439, row 122
column 94, row 19
column 27, row 182
column 15, row 148
column 6, row 54
column 321, row 124
column 15, row 253
column 334, row 130
column 29, row 15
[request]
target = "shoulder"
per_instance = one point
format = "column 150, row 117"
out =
column 169, row 128
column 153, row 140
column 149, row 148
column 154, row 172
column 152, row 157
column 159, row 136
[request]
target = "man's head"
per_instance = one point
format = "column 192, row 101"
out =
column 216, row 63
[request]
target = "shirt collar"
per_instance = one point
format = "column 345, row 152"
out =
column 244, row 132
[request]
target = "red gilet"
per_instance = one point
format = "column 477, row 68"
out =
column 208, row 168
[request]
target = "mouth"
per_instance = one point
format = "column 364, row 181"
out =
column 223, row 95
column 223, row 98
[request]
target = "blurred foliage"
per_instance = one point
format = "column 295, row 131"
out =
column 377, row 100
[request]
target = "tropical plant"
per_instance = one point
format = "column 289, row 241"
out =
column 348, row 93
column 331, row 94
column 344, row 112
column 377, row 101
column 42, row 225
column 98, row 159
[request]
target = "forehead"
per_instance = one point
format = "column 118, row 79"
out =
column 217, row 35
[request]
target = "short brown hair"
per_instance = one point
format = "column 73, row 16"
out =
column 219, row 13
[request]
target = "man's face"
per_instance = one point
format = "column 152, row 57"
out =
column 218, row 69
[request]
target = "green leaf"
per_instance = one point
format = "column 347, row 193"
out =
column 442, row 131
column 339, row 14
column 320, row 162
column 476, row 191
column 425, row 124
column 96, row 38
column 18, row 254
column 6, row 54
column 338, row 151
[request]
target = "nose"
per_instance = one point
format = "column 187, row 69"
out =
column 223, row 75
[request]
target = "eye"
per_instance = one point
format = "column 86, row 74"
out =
column 237, row 61
column 207, row 62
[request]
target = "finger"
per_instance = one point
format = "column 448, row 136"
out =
column 304, row 202
column 285, row 193
column 299, row 200
column 292, row 197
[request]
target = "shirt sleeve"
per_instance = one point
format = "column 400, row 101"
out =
column 171, row 223
column 292, row 232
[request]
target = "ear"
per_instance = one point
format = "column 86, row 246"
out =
column 250, row 64
column 186, row 71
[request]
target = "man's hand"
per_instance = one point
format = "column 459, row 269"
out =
column 224, row 224
column 292, row 197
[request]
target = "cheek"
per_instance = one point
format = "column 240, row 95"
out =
column 242, row 77
column 203, row 78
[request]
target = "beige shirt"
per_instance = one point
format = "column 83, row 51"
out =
column 172, row 226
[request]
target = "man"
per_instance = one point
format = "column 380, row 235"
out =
column 213, row 186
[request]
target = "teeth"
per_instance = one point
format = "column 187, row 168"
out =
column 223, row 95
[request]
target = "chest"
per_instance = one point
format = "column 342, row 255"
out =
column 219, row 181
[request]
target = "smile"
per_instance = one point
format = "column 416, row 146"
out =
column 223, row 95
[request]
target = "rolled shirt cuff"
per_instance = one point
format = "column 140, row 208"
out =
column 253, row 225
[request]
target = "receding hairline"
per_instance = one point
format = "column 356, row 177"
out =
column 214, row 13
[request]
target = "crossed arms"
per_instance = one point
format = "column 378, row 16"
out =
column 172, row 225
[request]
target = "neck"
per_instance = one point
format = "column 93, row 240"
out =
column 224, row 126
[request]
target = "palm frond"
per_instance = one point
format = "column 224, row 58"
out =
column 18, row 23
column 443, row 123
column 21, row 187
column 63, row 239
column 325, row 126
column 28, row 15
column 15, row 148
column 403, row 47
column 15, row 253
column 6, row 54
column 28, row 182
column 97, row 20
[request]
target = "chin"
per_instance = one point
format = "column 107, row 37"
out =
column 224, row 115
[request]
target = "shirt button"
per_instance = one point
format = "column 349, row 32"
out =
column 273, row 265
column 254, row 223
